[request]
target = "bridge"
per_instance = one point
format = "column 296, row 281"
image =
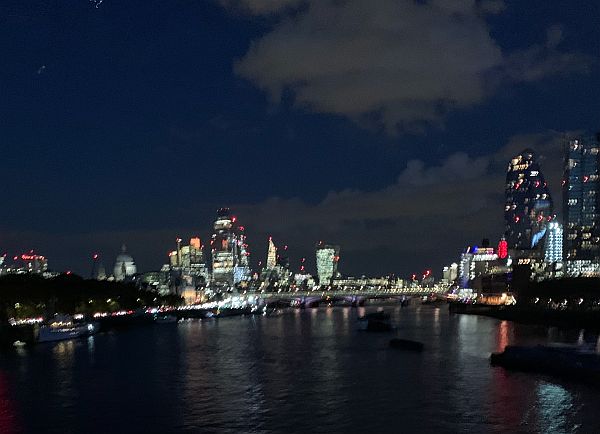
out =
column 355, row 297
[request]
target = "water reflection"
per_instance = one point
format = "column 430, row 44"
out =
column 503, row 339
column 8, row 418
column 304, row 371
column 63, row 353
column 555, row 409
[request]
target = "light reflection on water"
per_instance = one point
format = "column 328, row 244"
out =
column 554, row 404
column 304, row 371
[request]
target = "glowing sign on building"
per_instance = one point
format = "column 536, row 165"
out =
column 502, row 249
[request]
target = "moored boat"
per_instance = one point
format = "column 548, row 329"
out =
column 62, row 328
column 566, row 361
column 375, row 322
column 166, row 319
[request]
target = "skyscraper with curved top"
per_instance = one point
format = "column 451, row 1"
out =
column 529, row 206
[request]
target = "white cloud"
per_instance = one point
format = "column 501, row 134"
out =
column 261, row 7
column 398, row 63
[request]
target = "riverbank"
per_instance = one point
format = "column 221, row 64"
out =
column 580, row 319
column 27, row 332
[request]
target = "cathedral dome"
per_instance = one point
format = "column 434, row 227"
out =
column 124, row 265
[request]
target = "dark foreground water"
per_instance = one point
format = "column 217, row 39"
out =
column 305, row 371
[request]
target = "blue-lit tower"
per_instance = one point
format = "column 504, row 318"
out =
column 529, row 206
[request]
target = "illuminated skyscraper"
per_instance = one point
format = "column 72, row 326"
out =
column 553, row 250
column 581, row 193
column 528, row 206
column 271, row 255
column 328, row 257
column 229, row 250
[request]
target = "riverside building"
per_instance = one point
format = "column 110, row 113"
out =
column 581, row 185
column 229, row 251
column 327, row 257
column 528, row 208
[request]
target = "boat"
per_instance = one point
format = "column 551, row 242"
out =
column 375, row 322
column 578, row 362
column 166, row 319
column 406, row 344
column 62, row 328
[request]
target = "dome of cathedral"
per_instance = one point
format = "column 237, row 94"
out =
column 124, row 265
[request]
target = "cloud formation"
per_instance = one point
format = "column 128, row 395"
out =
column 261, row 7
column 424, row 219
column 396, row 64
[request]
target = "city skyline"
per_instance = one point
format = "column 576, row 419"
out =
column 113, row 138
column 299, row 216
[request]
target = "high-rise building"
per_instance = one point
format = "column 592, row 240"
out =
column 241, row 272
column 276, row 272
column 553, row 249
column 581, row 194
column 529, row 206
column 271, row 254
column 328, row 257
column 229, row 250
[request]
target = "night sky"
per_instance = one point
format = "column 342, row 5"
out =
column 383, row 126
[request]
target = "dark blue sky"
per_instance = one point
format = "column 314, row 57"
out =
column 128, row 122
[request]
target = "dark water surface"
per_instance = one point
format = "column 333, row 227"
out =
column 305, row 371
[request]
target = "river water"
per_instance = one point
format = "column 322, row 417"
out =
column 304, row 371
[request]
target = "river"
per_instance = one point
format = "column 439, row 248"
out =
column 303, row 371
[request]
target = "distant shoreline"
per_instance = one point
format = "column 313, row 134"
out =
column 589, row 320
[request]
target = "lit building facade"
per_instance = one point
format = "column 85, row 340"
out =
column 24, row 264
column 482, row 269
column 450, row 273
column 581, row 185
column 276, row 273
column 553, row 249
column 187, row 269
column 327, row 257
column 229, row 251
column 528, row 208
column 125, row 267
column 271, row 254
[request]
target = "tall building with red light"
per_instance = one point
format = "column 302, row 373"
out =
column 528, row 208
column 229, row 250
